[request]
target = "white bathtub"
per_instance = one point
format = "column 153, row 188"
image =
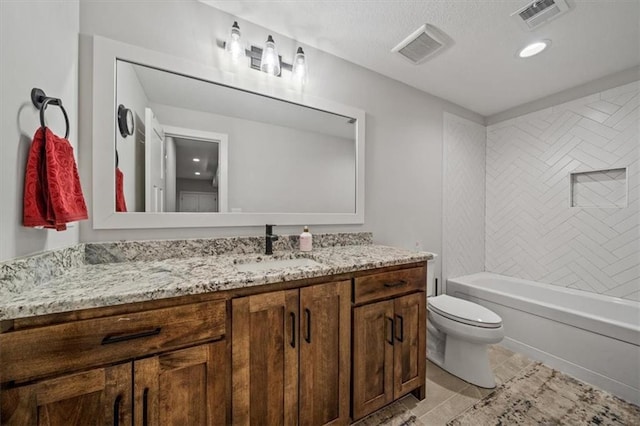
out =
column 591, row 337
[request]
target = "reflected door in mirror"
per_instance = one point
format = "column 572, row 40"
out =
column 154, row 163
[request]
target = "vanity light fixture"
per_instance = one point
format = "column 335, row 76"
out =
column 196, row 160
column 265, row 58
column 197, row 173
column 534, row 48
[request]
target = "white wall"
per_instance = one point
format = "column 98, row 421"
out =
column 531, row 230
column 463, row 194
column 276, row 168
column 39, row 48
column 404, row 126
column 129, row 92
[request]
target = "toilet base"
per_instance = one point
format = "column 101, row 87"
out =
column 469, row 361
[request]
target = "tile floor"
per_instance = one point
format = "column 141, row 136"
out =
column 448, row 395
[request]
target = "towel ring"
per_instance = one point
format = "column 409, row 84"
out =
column 41, row 101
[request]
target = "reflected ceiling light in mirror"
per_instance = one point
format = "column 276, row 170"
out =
column 299, row 71
column 270, row 61
column 234, row 44
column 196, row 160
column 197, row 173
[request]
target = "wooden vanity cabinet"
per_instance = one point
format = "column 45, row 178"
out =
column 312, row 354
column 146, row 383
column 389, row 339
column 290, row 356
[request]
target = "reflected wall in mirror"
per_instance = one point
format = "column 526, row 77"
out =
column 199, row 146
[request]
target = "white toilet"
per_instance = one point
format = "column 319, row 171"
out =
column 459, row 333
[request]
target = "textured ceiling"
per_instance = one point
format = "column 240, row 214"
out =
column 480, row 71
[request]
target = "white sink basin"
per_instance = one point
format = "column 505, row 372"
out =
column 266, row 265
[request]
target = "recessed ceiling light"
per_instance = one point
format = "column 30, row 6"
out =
column 197, row 173
column 196, row 160
column 534, row 48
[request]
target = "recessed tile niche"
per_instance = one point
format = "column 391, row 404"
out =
column 599, row 188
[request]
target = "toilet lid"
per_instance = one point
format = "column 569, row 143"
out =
column 464, row 311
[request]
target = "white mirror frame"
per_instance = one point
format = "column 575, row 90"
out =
column 105, row 54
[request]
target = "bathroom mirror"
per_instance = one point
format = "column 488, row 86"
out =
column 211, row 149
column 172, row 162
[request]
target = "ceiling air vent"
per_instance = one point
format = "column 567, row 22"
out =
column 425, row 42
column 539, row 12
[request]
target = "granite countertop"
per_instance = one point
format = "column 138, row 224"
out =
column 83, row 285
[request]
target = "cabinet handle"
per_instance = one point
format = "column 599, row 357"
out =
column 293, row 329
column 116, row 410
column 308, row 313
column 390, row 330
column 395, row 284
column 401, row 337
column 123, row 338
column 145, row 407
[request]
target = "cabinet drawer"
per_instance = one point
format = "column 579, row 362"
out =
column 37, row 352
column 388, row 284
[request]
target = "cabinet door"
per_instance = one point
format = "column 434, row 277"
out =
column 265, row 342
column 185, row 387
column 97, row 397
column 325, row 341
column 372, row 357
column 410, row 344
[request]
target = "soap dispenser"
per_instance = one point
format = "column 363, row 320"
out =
column 306, row 240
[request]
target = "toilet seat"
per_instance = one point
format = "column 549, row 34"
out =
column 463, row 311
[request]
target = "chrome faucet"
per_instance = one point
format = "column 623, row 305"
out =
column 269, row 238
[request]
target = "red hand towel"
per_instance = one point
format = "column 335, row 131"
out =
column 121, row 205
column 52, row 192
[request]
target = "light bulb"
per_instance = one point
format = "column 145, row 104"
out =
column 270, row 62
column 534, row 48
column 234, row 43
column 300, row 70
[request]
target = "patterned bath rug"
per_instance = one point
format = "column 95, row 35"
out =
column 542, row 396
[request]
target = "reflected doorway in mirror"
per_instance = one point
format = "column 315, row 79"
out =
column 196, row 171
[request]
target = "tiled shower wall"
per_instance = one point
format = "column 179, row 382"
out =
column 463, row 196
column 532, row 232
